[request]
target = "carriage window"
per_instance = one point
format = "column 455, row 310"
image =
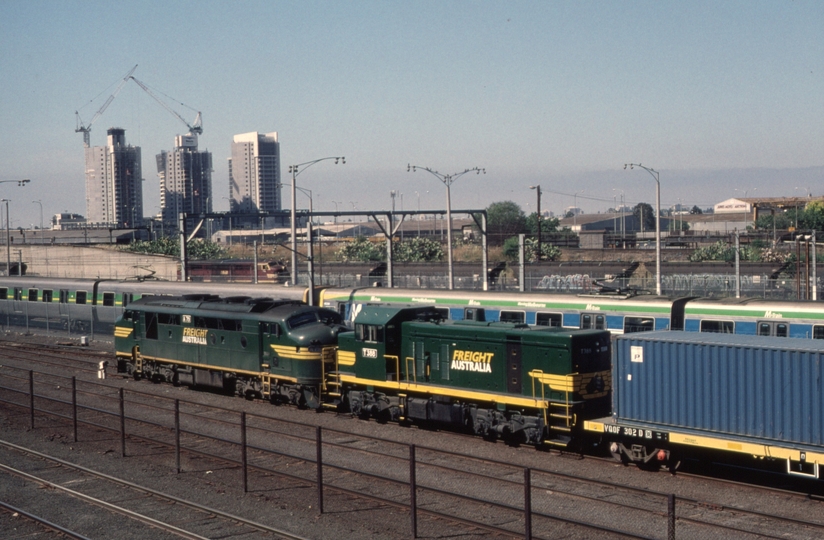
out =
column 593, row 320
column 108, row 299
column 4, row 293
column 64, row 296
column 32, row 295
column 474, row 314
column 718, row 327
column 781, row 329
column 47, row 295
column 549, row 319
column 513, row 316
column 80, row 298
column 818, row 332
column 638, row 324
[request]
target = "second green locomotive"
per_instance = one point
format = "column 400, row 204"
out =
column 524, row 384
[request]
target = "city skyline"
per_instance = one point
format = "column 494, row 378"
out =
column 716, row 97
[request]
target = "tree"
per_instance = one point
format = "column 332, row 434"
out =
column 813, row 216
column 504, row 219
column 548, row 225
column 695, row 210
column 548, row 251
column 644, row 213
column 779, row 220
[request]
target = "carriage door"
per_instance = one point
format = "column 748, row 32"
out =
column 513, row 366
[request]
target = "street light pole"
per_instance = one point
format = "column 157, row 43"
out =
column 538, row 189
column 655, row 175
column 447, row 180
column 295, row 170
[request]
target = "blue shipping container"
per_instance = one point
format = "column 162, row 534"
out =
column 745, row 386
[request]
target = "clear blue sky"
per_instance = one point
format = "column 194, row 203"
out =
column 717, row 96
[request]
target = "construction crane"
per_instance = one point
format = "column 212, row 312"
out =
column 194, row 128
column 86, row 130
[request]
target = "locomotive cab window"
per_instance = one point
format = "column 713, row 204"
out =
column 369, row 332
column 554, row 320
column 718, row 327
column 513, row 316
column 272, row 329
column 638, row 324
column 33, row 295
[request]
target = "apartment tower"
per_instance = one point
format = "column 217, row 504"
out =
column 254, row 175
column 185, row 180
column 114, row 183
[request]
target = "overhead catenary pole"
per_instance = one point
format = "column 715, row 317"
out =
column 447, row 180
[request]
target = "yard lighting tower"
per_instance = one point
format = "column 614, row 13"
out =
column 654, row 174
column 295, row 170
column 447, row 180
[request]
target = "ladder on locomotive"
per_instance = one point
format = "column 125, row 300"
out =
column 559, row 418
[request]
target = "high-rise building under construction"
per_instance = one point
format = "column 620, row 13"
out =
column 254, row 175
column 114, row 183
column 185, row 180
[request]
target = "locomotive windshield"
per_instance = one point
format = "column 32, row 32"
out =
column 302, row 319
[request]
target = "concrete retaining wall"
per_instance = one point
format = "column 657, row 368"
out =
column 90, row 262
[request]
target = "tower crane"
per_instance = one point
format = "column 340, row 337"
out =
column 195, row 128
column 86, row 130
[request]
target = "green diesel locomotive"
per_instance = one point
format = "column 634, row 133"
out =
column 274, row 349
column 533, row 385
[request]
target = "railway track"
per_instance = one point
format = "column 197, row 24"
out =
column 108, row 496
column 281, row 456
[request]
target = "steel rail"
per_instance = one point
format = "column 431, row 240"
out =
column 137, row 487
column 42, row 521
